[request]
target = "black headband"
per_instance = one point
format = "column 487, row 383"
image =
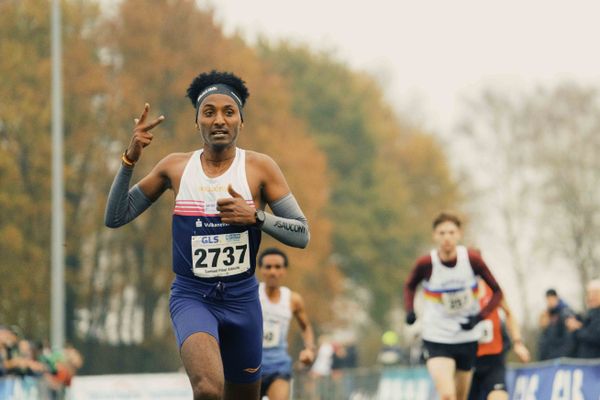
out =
column 219, row 88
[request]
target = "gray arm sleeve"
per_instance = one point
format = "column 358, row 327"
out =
column 124, row 205
column 288, row 225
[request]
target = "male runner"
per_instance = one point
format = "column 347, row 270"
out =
column 489, row 378
column 451, row 312
column 279, row 303
column 220, row 192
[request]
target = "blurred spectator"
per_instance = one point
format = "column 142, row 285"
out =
column 29, row 364
column 344, row 356
column 11, row 363
column 20, row 357
column 322, row 364
column 587, row 332
column 391, row 353
column 67, row 364
column 555, row 340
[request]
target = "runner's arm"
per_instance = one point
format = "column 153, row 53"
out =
column 515, row 333
column 287, row 223
column 124, row 204
column 308, row 354
column 420, row 272
column 480, row 268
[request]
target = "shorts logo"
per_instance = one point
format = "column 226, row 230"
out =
column 252, row 370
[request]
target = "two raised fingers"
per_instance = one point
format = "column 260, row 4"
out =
column 140, row 121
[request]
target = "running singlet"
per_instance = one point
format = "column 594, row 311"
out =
column 203, row 246
column 491, row 341
column 450, row 297
column 276, row 322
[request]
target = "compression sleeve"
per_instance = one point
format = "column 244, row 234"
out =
column 124, row 205
column 287, row 223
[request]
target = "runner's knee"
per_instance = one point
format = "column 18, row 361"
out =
column 205, row 389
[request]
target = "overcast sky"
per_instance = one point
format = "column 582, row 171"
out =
column 435, row 52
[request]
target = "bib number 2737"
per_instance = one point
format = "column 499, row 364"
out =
column 220, row 255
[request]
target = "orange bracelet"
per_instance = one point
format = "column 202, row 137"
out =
column 126, row 160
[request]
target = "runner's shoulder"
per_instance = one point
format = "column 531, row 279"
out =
column 475, row 256
column 172, row 165
column 296, row 300
column 177, row 157
column 174, row 159
column 255, row 157
column 424, row 261
column 261, row 161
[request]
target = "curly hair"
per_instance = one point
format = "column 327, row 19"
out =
column 206, row 79
column 272, row 251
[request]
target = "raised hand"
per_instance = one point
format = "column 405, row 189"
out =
column 307, row 357
column 234, row 210
column 141, row 134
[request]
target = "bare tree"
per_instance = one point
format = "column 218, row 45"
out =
column 538, row 153
column 492, row 131
column 565, row 139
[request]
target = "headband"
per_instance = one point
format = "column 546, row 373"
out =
column 219, row 88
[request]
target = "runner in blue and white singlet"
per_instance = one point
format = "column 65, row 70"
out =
column 276, row 323
column 217, row 261
column 220, row 195
column 203, row 246
column 279, row 305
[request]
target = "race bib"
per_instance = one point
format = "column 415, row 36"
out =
column 457, row 302
column 220, row 255
column 271, row 334
column 487, row 331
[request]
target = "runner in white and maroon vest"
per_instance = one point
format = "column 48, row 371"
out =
column 451, row 313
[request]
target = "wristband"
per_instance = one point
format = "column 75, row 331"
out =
column 126, row 160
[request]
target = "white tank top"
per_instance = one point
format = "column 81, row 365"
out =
column 276, row 322
column 450, row 296
column 203, row 246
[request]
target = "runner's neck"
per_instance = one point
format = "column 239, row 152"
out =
column 273, row 293
column 447, row 256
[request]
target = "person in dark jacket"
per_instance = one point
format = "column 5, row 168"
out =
column 587, row 332
column 555, row 340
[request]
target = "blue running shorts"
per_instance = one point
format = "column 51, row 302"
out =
column 228, row 311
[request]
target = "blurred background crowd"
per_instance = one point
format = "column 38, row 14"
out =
column 22, row 357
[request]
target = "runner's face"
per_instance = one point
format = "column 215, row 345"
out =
column 219, row 120
column 272, row 270
column 446, row 235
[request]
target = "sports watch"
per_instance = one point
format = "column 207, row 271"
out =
column 260, row 217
